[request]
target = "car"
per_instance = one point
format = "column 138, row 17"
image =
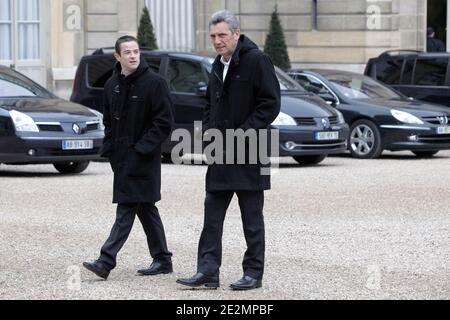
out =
column 379, row 117
column 36, row 127
column 309, row 128
column 421, row 75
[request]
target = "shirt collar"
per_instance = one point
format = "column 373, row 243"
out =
column 225, row 63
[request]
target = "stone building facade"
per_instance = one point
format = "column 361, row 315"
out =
column 340, row 34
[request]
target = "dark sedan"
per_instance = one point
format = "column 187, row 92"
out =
column 309, row 128
column 36, row 127
column 379, row 117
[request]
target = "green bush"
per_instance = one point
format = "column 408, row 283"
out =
column 146, row 37
column 275, row 46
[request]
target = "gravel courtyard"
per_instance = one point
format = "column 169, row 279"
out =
column 345, row 229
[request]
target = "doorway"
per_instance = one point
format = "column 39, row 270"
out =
column 437, row 18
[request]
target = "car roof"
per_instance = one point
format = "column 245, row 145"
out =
column 404, row 53
column 6, row 69
column 145, row 51
column 325, row 72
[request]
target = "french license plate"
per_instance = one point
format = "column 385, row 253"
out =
column 77, row 144
column 443, row 130
column 327, row 135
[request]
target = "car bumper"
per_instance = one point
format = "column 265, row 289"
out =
column 16, row 150
column 398, row 138
column 300, row 140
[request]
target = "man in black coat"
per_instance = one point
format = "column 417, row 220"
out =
column 433, row 44
column 243, row 93
column 137, row 118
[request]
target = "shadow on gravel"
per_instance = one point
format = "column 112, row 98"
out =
column 14, row 173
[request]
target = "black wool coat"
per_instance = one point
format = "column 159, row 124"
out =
column 138, row 118
column 249, row 98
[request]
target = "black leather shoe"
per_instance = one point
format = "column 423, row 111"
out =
column 200, row 280
column 246, row 283
column 156, row 268
column 96, row 268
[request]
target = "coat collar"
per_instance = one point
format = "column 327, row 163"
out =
column 143, row 68
column 243, row 46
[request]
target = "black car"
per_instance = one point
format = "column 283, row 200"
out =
column 309, row 128
column 36, row 127
column 421, row 75
column 379, row 117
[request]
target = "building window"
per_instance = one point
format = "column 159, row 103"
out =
column 28, row 29
column 19, row 30
column 5, row 30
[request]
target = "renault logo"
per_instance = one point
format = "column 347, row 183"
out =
column 76, row 128
column 443, row 120
column 325, row 122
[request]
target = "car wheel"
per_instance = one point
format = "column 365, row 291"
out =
column 309, row 160
column 365, row 140
column 71, row 167
column 425, row 154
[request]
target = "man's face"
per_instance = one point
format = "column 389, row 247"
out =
column 223, row 40
column 129, row 57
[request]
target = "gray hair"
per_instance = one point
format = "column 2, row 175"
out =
column 225, row 16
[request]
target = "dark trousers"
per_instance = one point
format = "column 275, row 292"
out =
column 154, row 230
column 210, row 246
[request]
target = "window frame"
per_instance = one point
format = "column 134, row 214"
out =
column 167, row 72
column 14, row 22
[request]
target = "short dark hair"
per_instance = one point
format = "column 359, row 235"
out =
column 122, row 40
column 430, row 31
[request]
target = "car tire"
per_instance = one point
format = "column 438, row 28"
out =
column 424, row 154
column 71, row 167
column 309, row 160
column 365, row 140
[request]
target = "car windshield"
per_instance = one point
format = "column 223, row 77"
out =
column 13, row 85
column 358, row 87
column 286, row 82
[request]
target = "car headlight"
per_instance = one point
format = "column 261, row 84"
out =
column 341, row 119
column 284, row 120
column 405, row 117
column 23, row 122
column 100, row 118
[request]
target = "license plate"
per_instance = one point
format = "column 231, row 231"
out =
column 327, row 135
column 77, row 144
column 443, row 130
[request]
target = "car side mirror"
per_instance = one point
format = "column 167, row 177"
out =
column 201, row 88
column 329, row 99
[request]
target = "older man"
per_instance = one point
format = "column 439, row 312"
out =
column 243, row 93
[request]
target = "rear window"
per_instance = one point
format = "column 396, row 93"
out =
column 186, row 76
column 389, row 71
column 101, row 69
column 430, row 72
column 408, row 71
